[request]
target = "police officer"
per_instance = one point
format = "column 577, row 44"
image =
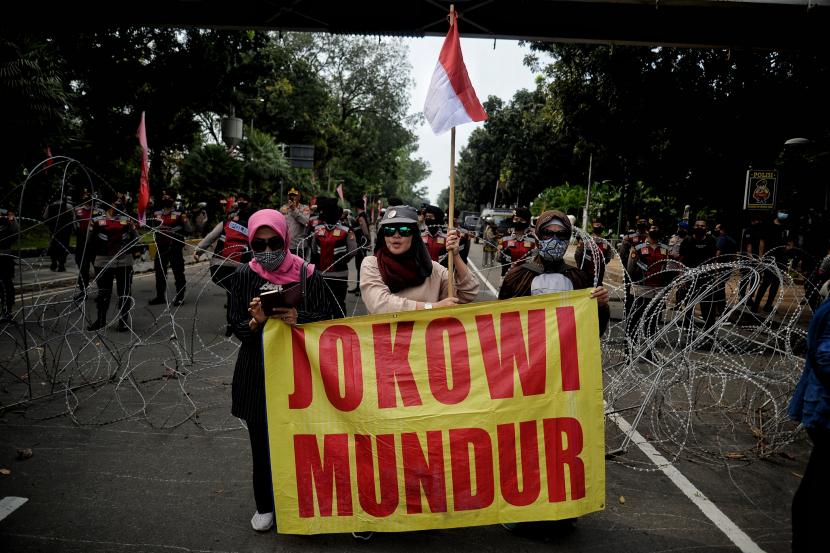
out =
column 433, row 233
column 297, row 217
column 463, row 240
column 85, row 211
column 171, row 226
column 332, row 245
column 115, row 245
column 363, row 237
column 231, row 238
column 633, row 238
column 9, row 230
column 519, row 243
column 629, row 242
column 585, row 260
column 59, row 218
column 649, row 265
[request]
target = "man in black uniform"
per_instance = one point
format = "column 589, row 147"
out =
column 9, row 230
column 171, row 227
column 778, row 244
column 695, row 250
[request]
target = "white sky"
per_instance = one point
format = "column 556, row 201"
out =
column 498, row 72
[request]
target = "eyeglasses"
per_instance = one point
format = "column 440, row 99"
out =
column 546, row 234
column 275, row 243
column 403, row 230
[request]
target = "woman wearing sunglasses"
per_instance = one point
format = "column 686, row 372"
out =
column 402, row 276
column 273, row 266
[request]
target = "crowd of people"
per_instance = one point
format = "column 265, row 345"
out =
column 401, row 257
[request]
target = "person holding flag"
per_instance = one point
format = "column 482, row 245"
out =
column 451, row 101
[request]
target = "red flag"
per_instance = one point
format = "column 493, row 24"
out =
column 340, row 191
column 144, row 188
column 451, row 100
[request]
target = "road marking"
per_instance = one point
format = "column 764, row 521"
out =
column 10, row 504
column 481, row 278
column 735, row 534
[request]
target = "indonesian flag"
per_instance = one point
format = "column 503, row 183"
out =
column 451, row 100
column 144, row 188
column 340, row 191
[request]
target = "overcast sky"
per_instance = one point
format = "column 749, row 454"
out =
column 498, row 72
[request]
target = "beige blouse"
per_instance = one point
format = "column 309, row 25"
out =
column 378, row 299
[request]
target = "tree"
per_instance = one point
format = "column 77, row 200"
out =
column 264, row 164
column 210, row 172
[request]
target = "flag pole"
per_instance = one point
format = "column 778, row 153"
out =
column 451, row 209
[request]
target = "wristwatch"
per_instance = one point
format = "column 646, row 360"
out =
column 427, row 305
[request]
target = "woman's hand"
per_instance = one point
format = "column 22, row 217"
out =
column 446, row 302
column 601, row 295
column 256, row 312
column 288, row 315
column 452, row 241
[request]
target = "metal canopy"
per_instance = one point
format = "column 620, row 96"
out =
column 766, row 24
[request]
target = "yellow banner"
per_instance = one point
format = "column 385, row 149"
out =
column 466, row 416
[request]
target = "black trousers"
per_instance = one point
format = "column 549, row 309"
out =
column 6, row 282
column 770, row 280
column 169, row 258
column 83, row 259
column 261, row 474
column 59, row 248
column 339, row 288
column 124, row 283
column 644, row 307
column 809, row 510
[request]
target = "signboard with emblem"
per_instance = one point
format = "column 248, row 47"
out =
column 761, row 189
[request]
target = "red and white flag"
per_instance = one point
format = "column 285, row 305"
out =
column 340, row 191
column 144, row 189
column 451, row 100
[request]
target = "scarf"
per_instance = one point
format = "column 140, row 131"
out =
column 407, row 270
column 289, row 269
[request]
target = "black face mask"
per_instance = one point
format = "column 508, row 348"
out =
column 598, row 230
column 642, row 228
column 167, row 203
column 699, row 232
column 682, row 232
column 519, row 226
column 655, row 234
column 432, row 227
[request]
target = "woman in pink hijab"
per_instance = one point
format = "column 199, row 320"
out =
column 272, row 268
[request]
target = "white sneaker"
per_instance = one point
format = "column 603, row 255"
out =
column 262, row 522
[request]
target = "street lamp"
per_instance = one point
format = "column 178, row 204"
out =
column 588, row 195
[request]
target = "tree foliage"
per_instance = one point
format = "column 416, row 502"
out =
column 346, row 96
column 666, row 127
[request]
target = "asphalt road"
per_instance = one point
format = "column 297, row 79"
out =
column 132, row 460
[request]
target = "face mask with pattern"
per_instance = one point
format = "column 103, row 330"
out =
column 553, row 249
column 270, row 260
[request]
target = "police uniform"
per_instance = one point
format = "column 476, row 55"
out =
column 114, row 241
column 169, row 237
column 9, row 231
column 436, row 244
column 231, row 249
column 331, row 248
column 650, row 267
column 585, row 260
column 514, row 248
column 84, row 252
column 297, row 219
